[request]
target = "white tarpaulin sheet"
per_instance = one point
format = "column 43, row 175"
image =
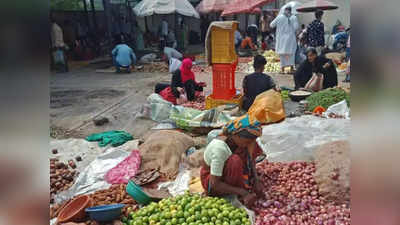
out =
column 295, row 139
column 151, row 7
column 91, row 179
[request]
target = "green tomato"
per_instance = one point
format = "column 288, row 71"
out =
column 186, row 214
column 204, row 219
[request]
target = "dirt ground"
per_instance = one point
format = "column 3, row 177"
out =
column 79, row 96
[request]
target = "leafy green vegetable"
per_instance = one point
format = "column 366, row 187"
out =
column 285, row 95
column 327, row 97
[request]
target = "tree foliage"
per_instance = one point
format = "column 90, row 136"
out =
column 66, row 4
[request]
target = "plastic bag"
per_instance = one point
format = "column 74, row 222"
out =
column 159, row 109
column 188, row 118
column 124, row 170
column 182, row 99
column 315, row 83
column 295, row 139
column 180, row 185
column 267, row 108
column 340, row 109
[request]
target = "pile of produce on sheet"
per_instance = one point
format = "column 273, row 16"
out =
column 245, row 59
column 189, row 209
column 113, row 195
column 62, row 176
column 199, row 103
column 327, row 97
column 292, row 197
column 161, row 67
column 201, row 69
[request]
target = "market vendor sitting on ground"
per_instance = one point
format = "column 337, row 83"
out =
column 247, row 43
column 256, row 83
column 229, row 165
column 183, row 83
column 316, row 64
column 123, row 56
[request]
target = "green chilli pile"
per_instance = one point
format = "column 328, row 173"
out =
column 189, row 209
column 327, row 97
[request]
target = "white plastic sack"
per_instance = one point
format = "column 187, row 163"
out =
column 295, row 139
column 340, row 109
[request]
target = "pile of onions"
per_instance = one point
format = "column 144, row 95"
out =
column 291, row 197
column 198, row 104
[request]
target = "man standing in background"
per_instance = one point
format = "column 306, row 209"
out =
column 264, row 26
column 58, row 46
column 163, row 31
column 315, row 32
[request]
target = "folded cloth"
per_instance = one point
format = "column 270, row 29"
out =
column 115, row 138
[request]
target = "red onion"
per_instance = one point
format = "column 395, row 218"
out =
column 293, row 197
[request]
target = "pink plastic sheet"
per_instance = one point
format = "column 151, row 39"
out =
column 124, row 170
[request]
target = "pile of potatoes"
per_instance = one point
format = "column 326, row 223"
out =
column 61, row 176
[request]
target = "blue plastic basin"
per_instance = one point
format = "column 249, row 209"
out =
column 105, row 213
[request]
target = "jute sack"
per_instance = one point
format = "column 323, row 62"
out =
column 163, row 149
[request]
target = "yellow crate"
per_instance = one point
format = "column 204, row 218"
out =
column 213, row 103
column 223, row 45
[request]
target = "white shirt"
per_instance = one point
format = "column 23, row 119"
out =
column 174, row 65
column 57, row 38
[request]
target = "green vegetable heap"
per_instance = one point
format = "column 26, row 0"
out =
column 189, row 209
column 285, row 95
column 327, row 97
